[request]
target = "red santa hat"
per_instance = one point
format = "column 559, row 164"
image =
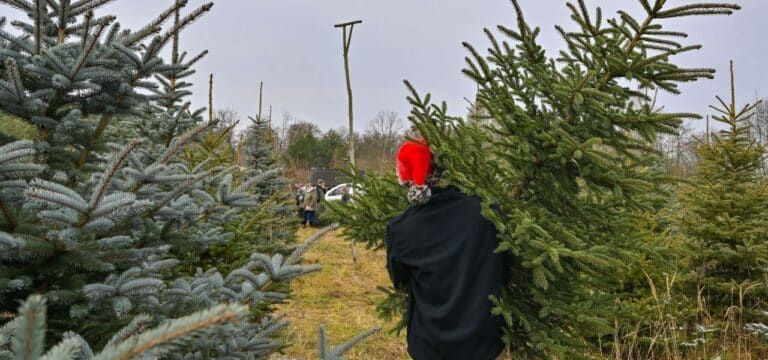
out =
column 414, row 164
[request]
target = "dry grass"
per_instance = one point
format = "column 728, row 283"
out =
column 15, row 127
column 343, row 297
column 723, row 339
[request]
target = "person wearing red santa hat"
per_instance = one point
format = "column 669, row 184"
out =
column 441, row 249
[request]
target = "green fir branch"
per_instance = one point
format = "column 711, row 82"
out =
column 172, row 332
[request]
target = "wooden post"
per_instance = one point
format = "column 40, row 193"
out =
column 707, row 129
column 270, row 136
column 210, row 98
column 172, row 81
column 175, row 49
column 40, row 7
column 346, row 41
column 261, row 91
column 239, row 160
column 679, row 150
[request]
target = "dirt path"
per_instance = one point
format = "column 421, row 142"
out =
column 343, row 297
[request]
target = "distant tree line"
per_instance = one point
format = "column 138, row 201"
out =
column 302, row 145
column 679, row 150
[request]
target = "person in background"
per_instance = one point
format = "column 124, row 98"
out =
column 310, row 205
column 442, row 250
column 345, row 197
column 321, row 189
column 300, row 199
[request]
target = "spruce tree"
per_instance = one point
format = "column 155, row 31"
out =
column 213, row 150
column 270, row 226
column 70, row 74
column 562, row 160
column 257, row 146
column 278, row 226
column 724, row 215
column 24, row 336
column 365, row 218
column 96, row 213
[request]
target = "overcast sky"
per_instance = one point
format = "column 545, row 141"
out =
column 292, row 46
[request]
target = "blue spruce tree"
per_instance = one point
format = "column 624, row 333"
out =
column 98, row 209
column 262, row 159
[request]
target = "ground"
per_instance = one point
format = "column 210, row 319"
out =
column 343, row 297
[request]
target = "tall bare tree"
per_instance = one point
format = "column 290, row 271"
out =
column 384, row 133
column 759, row 128
column 680, row 150
column 226, row 117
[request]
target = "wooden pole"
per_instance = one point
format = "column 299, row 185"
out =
column 270, row 137
column 39, row 8
column 679, row 149
column 239, row 160
column 346, row 41
column 261, row 91
column 349, row 103
column 210, row 98
column 733, row 100
column 175, row 49
column 707, row 129
column 174, row 75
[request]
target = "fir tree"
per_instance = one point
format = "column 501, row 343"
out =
column 72, row 75
column 564, row 155
column 213, row 150
column 336, row 353
column 271, row 226
column 257, row 146
column 724, row 212
column 170, row 115
column 365, row 218
column 274, row 188
column 93, row 208
column 564, row 152
column 24, row 337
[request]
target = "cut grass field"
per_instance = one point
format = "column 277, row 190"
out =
column 343, row 297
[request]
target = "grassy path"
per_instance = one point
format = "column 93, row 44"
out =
column 343, row 297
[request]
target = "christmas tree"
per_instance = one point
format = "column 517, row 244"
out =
column 213, row 150
column 365, row 218
column 268, row 227
column 258, row 145
column 261, row 157
column 724, row 212
column 99, row 209
column 24, row 337
column 563, row 159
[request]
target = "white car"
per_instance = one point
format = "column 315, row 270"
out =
column 335, row 193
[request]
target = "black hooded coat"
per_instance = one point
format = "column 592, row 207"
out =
column 443, row 252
